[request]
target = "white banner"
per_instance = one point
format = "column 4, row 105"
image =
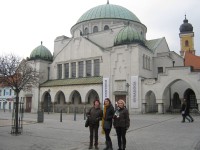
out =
column 134, row 92
column 105, row 88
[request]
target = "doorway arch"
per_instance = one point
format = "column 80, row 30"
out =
column 91, row 96
column 151, row 105
column 47, row 104
column 176, row 102
column 190, row 96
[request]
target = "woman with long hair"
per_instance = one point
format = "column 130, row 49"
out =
column 108, row 113
column 121, row 123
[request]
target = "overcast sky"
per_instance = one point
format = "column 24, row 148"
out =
column 25, row 23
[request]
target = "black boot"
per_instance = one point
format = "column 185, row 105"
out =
column 90, row 147
column 91, row 144
column 110, row 145
column 96, row 147
column 106, row 148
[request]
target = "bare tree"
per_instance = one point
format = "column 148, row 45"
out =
column 19, row 75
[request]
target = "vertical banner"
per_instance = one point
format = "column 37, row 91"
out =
column 134, row 92
column 105, row 88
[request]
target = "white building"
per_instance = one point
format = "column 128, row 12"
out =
column 108, row 55
column 7, row 97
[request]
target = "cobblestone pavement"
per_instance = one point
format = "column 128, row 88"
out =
column 147, row 132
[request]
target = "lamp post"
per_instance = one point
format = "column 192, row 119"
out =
column 127, row 88
column 48, row 100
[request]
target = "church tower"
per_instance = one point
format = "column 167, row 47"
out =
column 186, row 38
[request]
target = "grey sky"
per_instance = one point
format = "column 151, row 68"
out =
column 24, row 23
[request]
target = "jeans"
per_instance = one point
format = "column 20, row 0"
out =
column 93, row 132
column 121, row 137
column 185, row 117
column 107, row 134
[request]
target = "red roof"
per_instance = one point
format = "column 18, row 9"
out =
column 192, row 60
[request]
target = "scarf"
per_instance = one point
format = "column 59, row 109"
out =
column 103, row 119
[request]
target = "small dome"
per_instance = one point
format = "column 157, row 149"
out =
column 41, row 52
column 128, row 35
column 186, row 27
column 108, row 11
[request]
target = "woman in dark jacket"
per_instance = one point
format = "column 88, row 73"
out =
column 121, row 123
column 185, row 111
column 107, row 122
column 94, row 115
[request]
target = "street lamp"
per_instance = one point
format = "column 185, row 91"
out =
column 48, row 100
column 127, row 87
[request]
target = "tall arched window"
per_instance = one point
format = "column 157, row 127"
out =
column 106, row 27
column 149, row 63
column 86, row 30
column 143, row 61
column 186, row 43
column 95, row 29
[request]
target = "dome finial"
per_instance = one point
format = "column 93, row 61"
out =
column 41, row 42
column 107, row 1
column 185, row 20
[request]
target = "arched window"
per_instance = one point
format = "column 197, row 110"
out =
column 86, row 30
column 106, row 27
column 186, row 43
column 148, row 65
column 143, row 61
column 95, row 29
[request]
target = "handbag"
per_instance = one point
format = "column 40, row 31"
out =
column 87, row 123
column 183, row 112
column 87, row 120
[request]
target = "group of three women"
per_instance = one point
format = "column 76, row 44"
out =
column 119, row 117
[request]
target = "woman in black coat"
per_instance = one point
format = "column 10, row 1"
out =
column 107, row 122
column 94, row 115
column 121, row 123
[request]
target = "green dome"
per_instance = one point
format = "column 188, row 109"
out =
column 128, row 35
column 108, row 11
column 41, row 52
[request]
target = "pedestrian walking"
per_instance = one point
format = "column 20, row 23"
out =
column 185, row 111
column 108, row 113
column 94, row 115
column 121, row 123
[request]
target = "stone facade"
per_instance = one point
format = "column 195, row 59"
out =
column 147, row 76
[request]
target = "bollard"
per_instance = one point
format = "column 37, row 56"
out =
column 84, row 113
column 75, row 114
column 61, row 115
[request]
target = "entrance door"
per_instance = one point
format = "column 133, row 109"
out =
column 28, row 104
column 117, row 97
column 191, row 98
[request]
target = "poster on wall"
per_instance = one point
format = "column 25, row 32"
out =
column 105, row 88
column 134, row 92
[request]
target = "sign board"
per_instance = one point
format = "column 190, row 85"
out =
column 134, row 92
column 105, row 88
